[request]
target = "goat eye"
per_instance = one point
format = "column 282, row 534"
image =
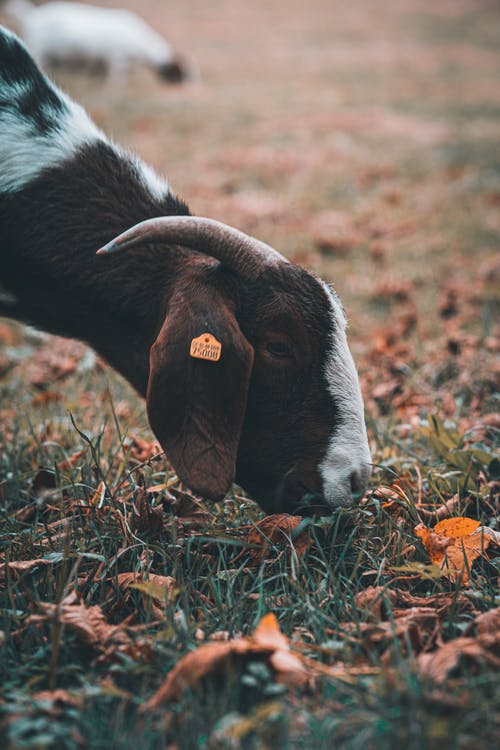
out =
column 279, row 349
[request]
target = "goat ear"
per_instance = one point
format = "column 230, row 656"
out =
column 196, row 407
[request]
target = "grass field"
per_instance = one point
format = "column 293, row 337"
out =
column 362, row 140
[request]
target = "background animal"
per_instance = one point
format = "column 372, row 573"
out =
column 93, row 38
column 281, row 411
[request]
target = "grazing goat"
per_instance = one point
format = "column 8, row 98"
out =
column 242, row 356
column 93, row 38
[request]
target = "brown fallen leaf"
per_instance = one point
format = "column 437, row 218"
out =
column 71, row 461
column 414, row 620
column 156, row 588
column 18, row 567
column 187, row 508
column 90, row 626
column 419, row 627
column 454, row 544
column 383, row 602
column 144, row 450
column 446, row 509
column 276, row 530
column 267, row 643
column 475, row 652
column 146, row 519
column 486, row 623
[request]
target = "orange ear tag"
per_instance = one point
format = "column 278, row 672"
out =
column 207, row 347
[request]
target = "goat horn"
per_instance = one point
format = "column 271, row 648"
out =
column 241, row 253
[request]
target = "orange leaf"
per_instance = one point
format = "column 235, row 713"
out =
column 268, row 633
column 267, row 643
column 454, row 544
column 456, row 527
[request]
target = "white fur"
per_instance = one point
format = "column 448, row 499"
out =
column 25, row 151
column 67, row 32
column 348, row 451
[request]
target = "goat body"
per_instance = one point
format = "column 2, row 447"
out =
column 80, row 35
column 281, row 411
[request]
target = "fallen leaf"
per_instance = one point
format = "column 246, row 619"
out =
column 71, row 461
column 144, row 450
column 457, row 527
column 210, row 658
column 157, row 588
column 267, row 642
column 276, row 530
column 486, row 623
column 146, row 518
column 187, row 508
column 268, row 633
column 483, row 649
column 90, row 626
column 454, row 544
column 24, row 566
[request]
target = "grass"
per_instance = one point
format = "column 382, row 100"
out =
column 386, row 118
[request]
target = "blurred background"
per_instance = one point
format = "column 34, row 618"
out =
column 362, row 140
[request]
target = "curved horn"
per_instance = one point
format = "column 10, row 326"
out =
column 238, row 251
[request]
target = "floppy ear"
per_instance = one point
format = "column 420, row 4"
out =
column 195, row 406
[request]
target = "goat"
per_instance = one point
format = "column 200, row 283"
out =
column 242, row 356
column 93, row 38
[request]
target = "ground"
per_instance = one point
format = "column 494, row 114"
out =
column 361, row 139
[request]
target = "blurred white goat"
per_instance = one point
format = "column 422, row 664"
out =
column 86, row 36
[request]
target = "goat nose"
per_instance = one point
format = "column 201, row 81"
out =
column 358, row 481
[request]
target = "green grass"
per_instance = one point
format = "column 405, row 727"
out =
column 217, row 589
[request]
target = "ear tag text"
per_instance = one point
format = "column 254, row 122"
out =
column 207, row 347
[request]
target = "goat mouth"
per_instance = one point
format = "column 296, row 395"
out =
column 294, row 497
column 310, row 503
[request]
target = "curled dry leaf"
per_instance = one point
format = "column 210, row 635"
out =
column 91, row 627
column 412, row 619
column 267, row 643
column 418, row 626
column 156, row 588
column 475, row 651
column 144, row 450
column 188, row 509
column 276, row 530
column 383, row 602
column 18, row 567
column 71, row 461
column 486, row 623
column 163, row 583
column 454, row 544
column 146, row 519
column 454, row 504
